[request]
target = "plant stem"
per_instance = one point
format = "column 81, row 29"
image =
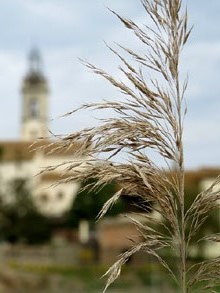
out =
column 182, row 224
column 183, row 240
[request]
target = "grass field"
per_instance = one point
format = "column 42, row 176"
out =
column 18, row 277
column 21, row 278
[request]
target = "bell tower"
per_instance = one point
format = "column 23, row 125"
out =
column 34, row 100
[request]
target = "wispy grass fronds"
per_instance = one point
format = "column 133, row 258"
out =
column 198, row 212
column 207, row 274
column 147, row 121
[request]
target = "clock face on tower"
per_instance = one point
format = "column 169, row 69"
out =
column 34, row 108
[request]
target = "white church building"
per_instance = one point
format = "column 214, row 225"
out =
column 20, row 160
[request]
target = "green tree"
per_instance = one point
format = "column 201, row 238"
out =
column 20, row 220
column 89, row 201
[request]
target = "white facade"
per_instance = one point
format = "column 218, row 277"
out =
column 51, row 200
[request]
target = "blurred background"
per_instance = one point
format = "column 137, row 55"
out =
column 49, row 239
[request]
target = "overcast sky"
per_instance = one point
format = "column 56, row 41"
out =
column 66, row 30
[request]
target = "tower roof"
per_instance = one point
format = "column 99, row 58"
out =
column 35, row 73
column 35, row 61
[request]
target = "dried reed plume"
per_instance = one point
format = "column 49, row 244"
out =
column 149, row 119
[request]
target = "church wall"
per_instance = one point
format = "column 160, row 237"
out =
column 14, row 170
column 55, row 200
column 51, row 200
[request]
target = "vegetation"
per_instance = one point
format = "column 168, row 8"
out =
column 209, row 226
column 148, row 124
column 89, row 202
column 20, row 221
column 87, row 279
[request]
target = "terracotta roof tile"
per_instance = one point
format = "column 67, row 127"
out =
column 22, row 150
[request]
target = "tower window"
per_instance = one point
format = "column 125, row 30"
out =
column 60, row 195
column 44, row 198
column 34, row 109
